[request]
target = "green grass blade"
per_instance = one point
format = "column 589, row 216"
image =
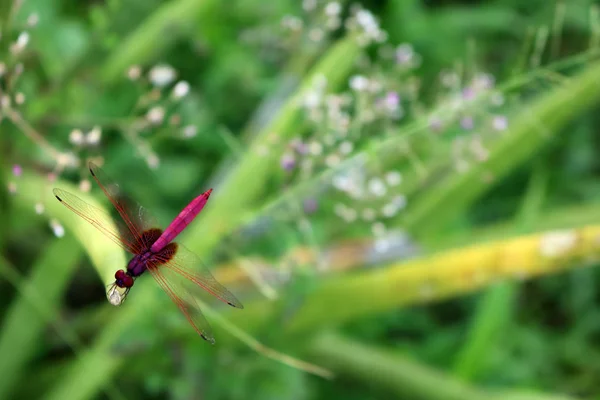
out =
column 94, row 368
column 532, row 128
column 22, row 327
column 246, row 182
column 400, row 375
column 387, row 370
column 153, row 36
column 444, row 275
column 105, row 255
column 495, row 309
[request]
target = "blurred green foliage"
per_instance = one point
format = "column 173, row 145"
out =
column 412, row 126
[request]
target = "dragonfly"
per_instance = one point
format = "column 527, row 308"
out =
column 178, row 271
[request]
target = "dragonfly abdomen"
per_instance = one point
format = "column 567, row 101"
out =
column 182, row 220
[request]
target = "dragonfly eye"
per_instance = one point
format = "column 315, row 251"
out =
column 123, row 279
column 127, row 281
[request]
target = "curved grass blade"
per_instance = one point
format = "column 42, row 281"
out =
column 105, row 255
column 403, row 376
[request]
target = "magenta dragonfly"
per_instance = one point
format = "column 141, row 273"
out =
column 178, row 271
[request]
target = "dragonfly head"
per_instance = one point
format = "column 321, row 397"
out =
column 118, row 290
column 123, row 279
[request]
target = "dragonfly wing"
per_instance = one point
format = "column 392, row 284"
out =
column 189, row 266
column 95, row 216
column 178, row 289
column 136, row 218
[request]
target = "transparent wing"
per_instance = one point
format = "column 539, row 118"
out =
column 178, row 289
column 136, row 218
column 98, row 218
column 189, row 266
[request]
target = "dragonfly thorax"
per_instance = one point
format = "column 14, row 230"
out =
column 138, row 264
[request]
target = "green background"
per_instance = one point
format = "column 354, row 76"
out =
column 531, row 64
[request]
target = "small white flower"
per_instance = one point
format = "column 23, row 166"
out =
column 359, row 83
column 315, row 148
column 155, row 115
column 153, row 161
column 393, row 178
column 33, row 19
column 21, row 42
column 312, row 99
column 389, row 210
column 333, row 9
column 85, row 185
column 342, row 182
column 181, row 89
column 190, row 131
column 377, row 187
column 309, row 5
column 161, row 75
column 396, row 204
column 484, row 81
column 67, row 160
column 399, row 201
column 369, row 28
column 93, row 137
column 134, row 72
column 500, row 123
column 5, row 101
column 19, row 98
column 39, row 208
column 57, row 228
column 76, row 137
column 366, row 20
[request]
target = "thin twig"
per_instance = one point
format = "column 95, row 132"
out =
column 16, row 118
column 264, row 350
